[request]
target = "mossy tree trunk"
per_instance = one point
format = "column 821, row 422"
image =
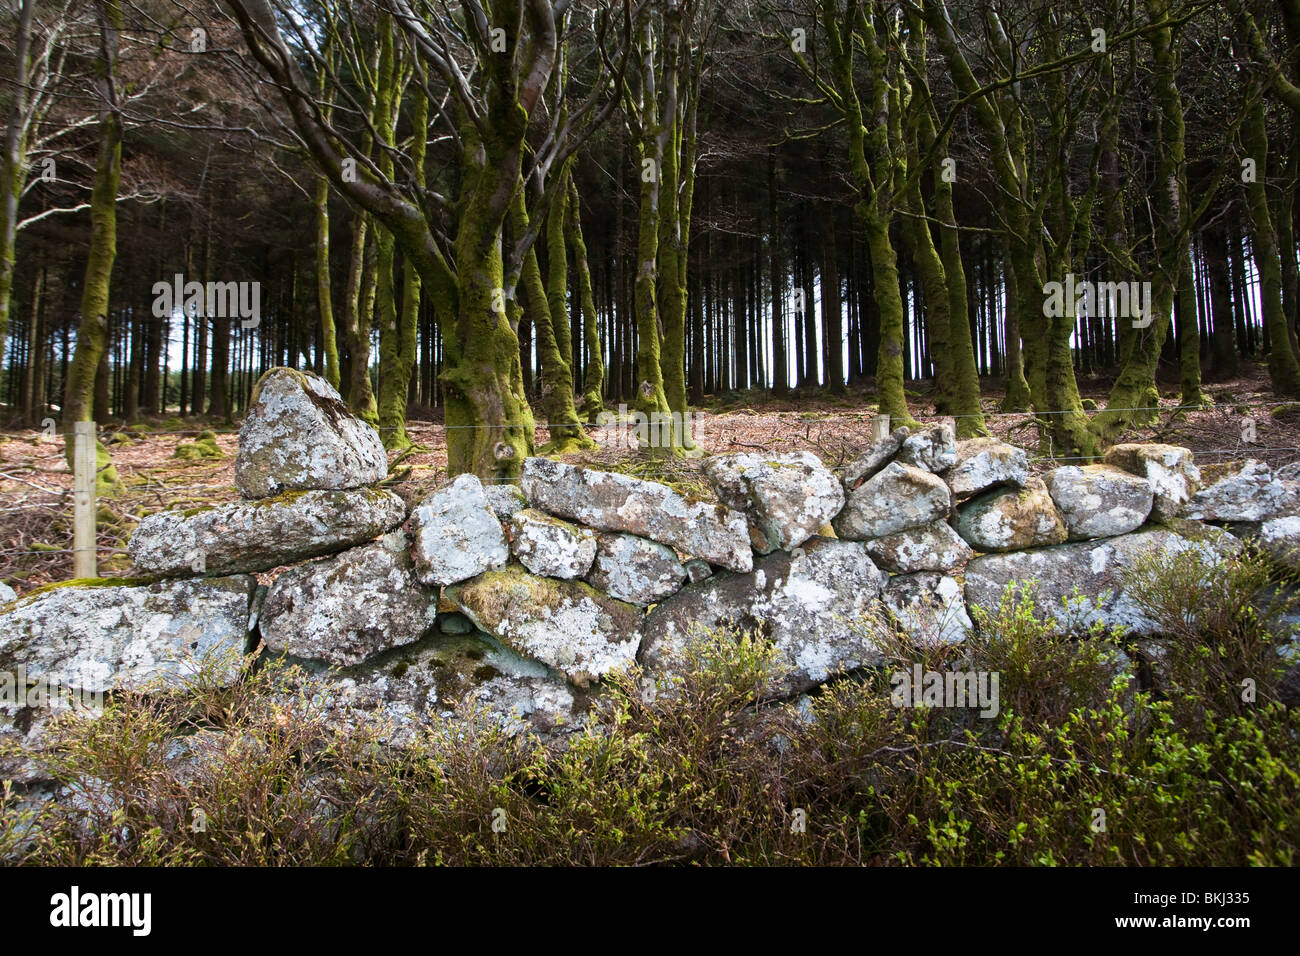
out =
column 1283, row 370
column 593, row 381
column 1048, row 361
column 651, row 129
column 873, row 169
column 397, row 332
column 1134, row 398
column 548, row 307
column 324, row 290
column 676, row 198
column 92, row 335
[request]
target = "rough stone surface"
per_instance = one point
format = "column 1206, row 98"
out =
column 1096, row 568
column 1172, row 473
column 344, row 609
column 932, row 547
column 1281, row 539
column 818, row 606
column 505, row 500
column 445, row 679
column 984, row 463
column 263, row 534
column 898, row 497
column 697, row 570
column 636, row 570
column 551, row 547
column 933, row 448
column 875, row 458
column 567, row 625
column 1099, row 501
column 929, row 608
column 787, row 498
column 1247, row 492
column 608, row 501
column 26, row 732
column 106, row 638
column 300, row 434
column 455, row 534
column 1008, row 519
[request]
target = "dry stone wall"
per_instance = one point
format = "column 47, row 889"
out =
column 516, row 603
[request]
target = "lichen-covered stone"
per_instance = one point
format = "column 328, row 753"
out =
column 505, row 500
column 1099, row 501
column 443, row 680
column 636, row 570
column 347, row 608
column 608, row 501
column 898, row 497
column 1280, row 538
column 551, row 547
column 1096, row 568
column 931, row 547
column 787, row 498
column 455, row 534
column 1245, row 492
column 929, row 608
column 299, row 434
column 567, row 625
column 933, row 448
column 866, row 465
column 1009, row 519
column 984, row 463
column 262, row 534
column 1170, row 470
column 108, row 637
column 817, row 605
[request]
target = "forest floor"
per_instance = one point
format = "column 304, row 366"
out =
column 36, row 483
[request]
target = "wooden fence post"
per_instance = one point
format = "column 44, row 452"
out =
column 84, row 458
column 880, row 428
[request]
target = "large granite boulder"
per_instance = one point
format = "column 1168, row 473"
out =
column 550, row 547
column 262, row 534
column 1011, row 519
column 788, row 498
column 114, row 636
column 931, row 547
column 818, row 606
column 350, row 607
column 455, row 534
column 897, row 498
column 636, row 570
column 299, row 434
column 566, row 625
column 1095, row 568
column 1169, row 469
column 984, row 463
column 1242, row 492
column 1099, row 501
column 608, row 501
